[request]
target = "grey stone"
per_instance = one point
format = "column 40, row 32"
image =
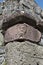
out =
column 41, row 42
column 1, row 11
column 19, row 16
column 2, row 55
column 1, row 22
column 37, row 10
column 24, row 53
column 1, row 39
column 18, row 56
column 2, row 50
column 1, row 60
column 42, row 14
column 27, row 5
column 6, row 12
column 42, row 35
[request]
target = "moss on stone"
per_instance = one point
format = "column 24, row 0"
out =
column 4, row 63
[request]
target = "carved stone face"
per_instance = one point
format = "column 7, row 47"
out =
column 22, row 24
column 22, row 32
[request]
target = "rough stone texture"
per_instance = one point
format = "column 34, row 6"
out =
column 18, row 17
column 42, row 14
column 21, row 53
column 1, row 39
column 2, row 49
column 24, row 53
column 29, row 7
column 2, row 55
column 22, row 32
column 1, row 21
column 37, row 10
column 41, row 42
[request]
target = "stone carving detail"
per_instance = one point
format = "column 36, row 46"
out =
column 22, row 31
column 21, row 25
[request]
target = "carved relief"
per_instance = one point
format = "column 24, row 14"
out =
column 22, row 31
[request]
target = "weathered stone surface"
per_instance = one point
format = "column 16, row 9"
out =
column 42, row 14
column 1, row 22
column 23, row 32
column 30, row 7
column 2, row 50
column 2, row 55
column 37, row 10
column 1, row 39
column 1, row 11
column 19, row 17
column 24, row 53
column 41, row 42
